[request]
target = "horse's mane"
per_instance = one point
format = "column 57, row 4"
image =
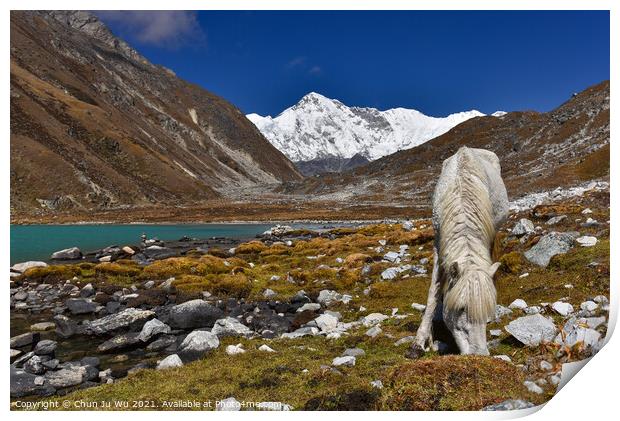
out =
column 466, row 235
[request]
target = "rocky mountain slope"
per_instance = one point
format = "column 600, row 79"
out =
column 538, row 151
column 94, row 125
column 318, row 128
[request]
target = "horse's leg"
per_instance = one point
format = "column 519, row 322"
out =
column 478, row 339
column 424, row 333
column 459, row 326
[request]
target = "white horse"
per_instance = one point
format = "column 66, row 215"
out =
column 469, row 205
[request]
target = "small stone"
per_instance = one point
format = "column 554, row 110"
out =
column 562, row 308
column 418, row 307
column 153, row 328
column 42, row 326
column 495, row 332
column 25, row 339
column 326, row 322
column 586, row 211
column 532, row 330
column 72, row 253
column 265, row 348
column 45, row 347
column 556, row 219
column 587, row 241
column 235, row 349
column 524, row 226
column 309, row 307
column 377, row 384
column 269, row 294
column 588, row 306
column 545, row 365
column 524, row 275
column 503, row 358
column 518, row 304
column 149, row 284
column 274, row 278
column 374, row 331
column 532, row 387
column 347, row 361
column 171, row 361
column 501, row 312
column 548, row 246
column 353, row 352
column 389, row 274
column 373, row 319
column 230, row 327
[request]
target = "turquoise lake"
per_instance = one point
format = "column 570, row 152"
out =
column 38, row 242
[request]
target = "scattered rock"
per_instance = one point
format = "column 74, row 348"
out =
column 418, row 307
column 562, row 308
column 153, row 328
column 235, row 349
column 326, row 322
column 72, row 253
column 265, row 348
column 198, row 343
column 524, row 226
column 587, row 241
column 117, row 343
column 347, row 361
column 546, row 365
column 556, row 219
column 374, row 331
column 501, row 312
column 269, row 294
column 532, row 330
column 373, row 319
column 80, row 306
column 65, row 327
column 309, row 307
column 518, row 304
column 353, row 352
column 171, row 361
column 129, row 318
column 87, row 291
column 25, row 339
column 389, row 274
column 66, row 377
column 24, row 266
column 45, row 347
column 230, row 327
column 194, row 314
column 548, row 246
column 588, row 306
column 532, row 387
column 377, row 384
column 42, row 326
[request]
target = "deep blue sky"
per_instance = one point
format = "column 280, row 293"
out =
column 436, row 62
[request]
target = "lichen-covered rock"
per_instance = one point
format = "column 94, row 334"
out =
column 548, row 246
column 130, row 318
column 532, row 330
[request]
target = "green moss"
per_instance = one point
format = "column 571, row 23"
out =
column 453, row 383
column 511, row 262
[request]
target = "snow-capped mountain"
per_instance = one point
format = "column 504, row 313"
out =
column 318, row 127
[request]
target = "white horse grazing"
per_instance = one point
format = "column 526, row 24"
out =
column 469, row 205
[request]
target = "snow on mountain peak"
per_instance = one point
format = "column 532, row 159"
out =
column 320, row 127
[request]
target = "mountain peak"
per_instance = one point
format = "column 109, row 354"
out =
column 319, row 127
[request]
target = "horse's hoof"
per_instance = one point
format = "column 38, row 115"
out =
column 414, row 352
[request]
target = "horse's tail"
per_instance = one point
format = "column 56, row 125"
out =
column 473, row 292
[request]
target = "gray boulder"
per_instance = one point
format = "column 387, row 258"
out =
column 25, row 339
column 556, row 219
column 548, row 246
column 197, row 343
column 524, row 226
column 28, row 384
column 230, row 327
column 163, row 342
column 24, row 266
column 130, row 318
column 153, row 328
column 87, row 291
column 124, row 341
column 35, row 365
column 65, row 327
column 170, row 361
column 80, row 306
column 72, row 253
column 532, row 330
column 45, row 347
column 353, row 352
column 66, row 377
column 194, row 314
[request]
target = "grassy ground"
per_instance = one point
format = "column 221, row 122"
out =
column 294, row 374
